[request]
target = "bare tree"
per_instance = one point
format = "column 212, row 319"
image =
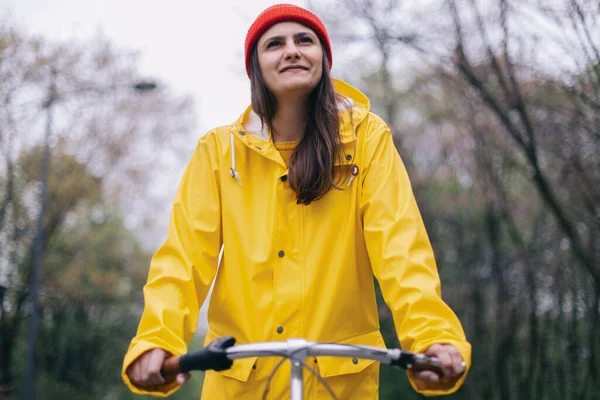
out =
column 502, row 101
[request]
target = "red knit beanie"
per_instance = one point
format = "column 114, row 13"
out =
column 280, row 13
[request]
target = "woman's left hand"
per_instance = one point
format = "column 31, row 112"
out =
column 451, row 362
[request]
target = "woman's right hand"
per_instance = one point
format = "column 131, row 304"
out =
column 144, row 372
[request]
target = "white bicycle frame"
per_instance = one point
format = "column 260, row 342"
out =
column 297, row 350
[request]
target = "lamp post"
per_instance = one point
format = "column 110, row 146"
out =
column 142, row 86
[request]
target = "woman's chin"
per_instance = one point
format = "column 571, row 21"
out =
column 296, row 86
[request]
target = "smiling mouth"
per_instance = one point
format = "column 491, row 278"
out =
column 293, row 68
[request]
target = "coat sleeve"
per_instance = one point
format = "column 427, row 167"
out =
column 183, row 268
column 402, row 258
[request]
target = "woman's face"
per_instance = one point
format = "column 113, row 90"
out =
column 291, row 59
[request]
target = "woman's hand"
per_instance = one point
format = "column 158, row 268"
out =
column 144, row 372
column 451, row 362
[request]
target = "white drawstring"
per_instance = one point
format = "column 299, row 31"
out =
column 353, row 173
column 232, row 171
column 353, row 167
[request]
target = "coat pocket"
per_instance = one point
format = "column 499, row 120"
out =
column 240, row 369
column 334, row 366
column 350, row 379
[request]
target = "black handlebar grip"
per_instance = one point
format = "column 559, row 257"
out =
column 199, row 360
column 170, row 368
column 195, row 361
column 418, row 363
column 426, row 366
column 213, row 356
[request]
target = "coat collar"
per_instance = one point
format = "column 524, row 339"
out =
column 249, row 122
column 250, row 131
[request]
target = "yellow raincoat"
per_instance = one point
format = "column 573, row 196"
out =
column 295, row 271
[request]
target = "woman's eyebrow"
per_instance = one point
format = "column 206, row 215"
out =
column 282, row 38
column 302, row 34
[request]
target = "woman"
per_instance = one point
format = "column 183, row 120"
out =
column 309, row 199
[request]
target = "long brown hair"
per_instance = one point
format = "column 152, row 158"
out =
column 311, row 165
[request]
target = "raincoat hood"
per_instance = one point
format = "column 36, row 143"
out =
column 251, row 125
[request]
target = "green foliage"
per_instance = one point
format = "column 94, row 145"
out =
column 93, row 272
column 93, row 266
column 94, row 269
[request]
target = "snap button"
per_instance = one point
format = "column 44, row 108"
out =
column 254, row 366
column 281, row 253
column 354, row 360
column 283, row 178
column 280, row 329
column 348, row 157
column 242, row 133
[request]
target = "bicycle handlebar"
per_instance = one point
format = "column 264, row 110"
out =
column 300, row 349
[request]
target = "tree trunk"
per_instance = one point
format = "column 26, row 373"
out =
column 7, row 340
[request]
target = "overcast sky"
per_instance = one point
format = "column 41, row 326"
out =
column 194, row 46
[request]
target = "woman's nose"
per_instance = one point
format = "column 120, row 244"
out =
column 291, row 51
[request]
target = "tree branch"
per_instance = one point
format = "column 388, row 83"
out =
column 594, row 62
column 492, row 57
column 528, row 148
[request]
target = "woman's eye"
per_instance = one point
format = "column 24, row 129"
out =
column 305, row 40
column 274, row 43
